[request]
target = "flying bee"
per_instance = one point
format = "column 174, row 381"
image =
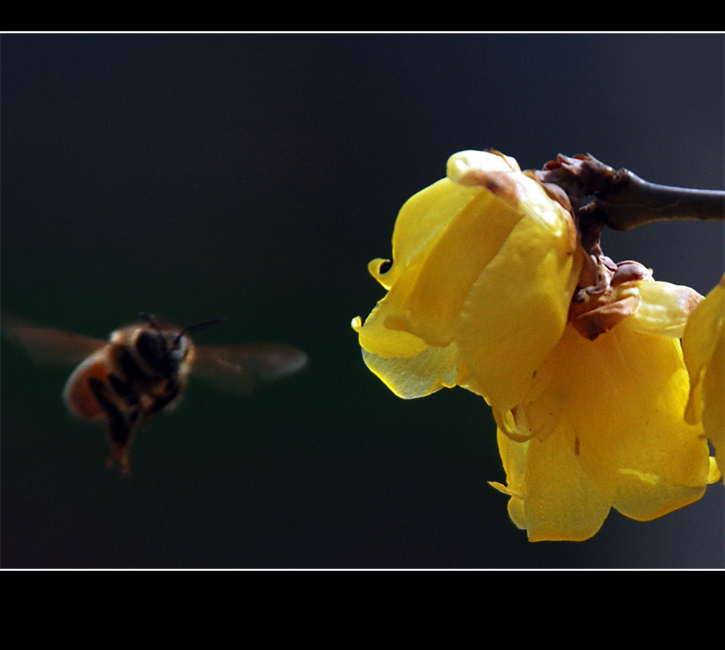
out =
column 143, row 369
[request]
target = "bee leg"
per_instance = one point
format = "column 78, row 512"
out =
column 119, row 429
column 120, row 453
column 123, row 388
column 160, row 403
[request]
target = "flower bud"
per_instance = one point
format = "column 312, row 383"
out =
column 484, row 267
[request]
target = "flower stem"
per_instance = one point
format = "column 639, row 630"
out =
column 622, row 200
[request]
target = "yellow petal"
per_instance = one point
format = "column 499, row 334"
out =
column 516, row 311
column 715, row 474
column 466, row 167
column 637, row 449
column 437, row 285
column 417, row 370
column 704, row 351
column 422, row 219
column 417, row 376
column 606, row 416
column 713, row 413
column 375, row 337
column 552, row 498
column 483, row 269
column 664, row 308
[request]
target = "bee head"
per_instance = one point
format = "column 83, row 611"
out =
column 165, row 348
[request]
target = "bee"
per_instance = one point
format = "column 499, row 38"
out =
column 143, row 369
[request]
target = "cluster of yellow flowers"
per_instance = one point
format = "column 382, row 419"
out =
column 490, row 289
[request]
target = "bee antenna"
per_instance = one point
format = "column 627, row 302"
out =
column 214, row 321
column 149, row 319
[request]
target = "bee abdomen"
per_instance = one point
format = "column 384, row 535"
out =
column 78, row 396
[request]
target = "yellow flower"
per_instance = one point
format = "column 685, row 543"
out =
column 608, row 432
column 483, row 271
column 490, row 289
column 704, row 352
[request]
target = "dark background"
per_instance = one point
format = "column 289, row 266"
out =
column 253, row 177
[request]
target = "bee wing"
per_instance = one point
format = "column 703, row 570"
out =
column 48, row 344
column 241, row 368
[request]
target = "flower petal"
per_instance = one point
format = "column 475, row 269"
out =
column 551, row 496
column 417, row 376
column 664, row 308
column 703, row 345
column 713, row 413
column 606, row 416
column 515, row 312
column 483, row 269
column 437, row 284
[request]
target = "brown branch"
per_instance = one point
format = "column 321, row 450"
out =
column 622, row 200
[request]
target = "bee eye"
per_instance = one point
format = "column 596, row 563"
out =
column 149, row 346
column 180, row 345
column 163, row 354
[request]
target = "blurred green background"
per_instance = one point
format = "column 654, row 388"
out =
column 253, row 177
